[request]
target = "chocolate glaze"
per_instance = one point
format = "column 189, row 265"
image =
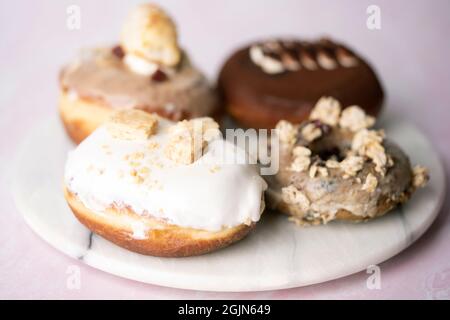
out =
column 100, row 75
column 258, row 99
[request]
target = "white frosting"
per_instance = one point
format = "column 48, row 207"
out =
column 268, row 64
column 140, row 65
column 209, row 194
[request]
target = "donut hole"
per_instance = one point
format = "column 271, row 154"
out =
column 330, row 147
column 333, row 153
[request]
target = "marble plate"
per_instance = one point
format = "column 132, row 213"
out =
column 276, row 255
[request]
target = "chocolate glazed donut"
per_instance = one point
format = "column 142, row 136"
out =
column 274, row 80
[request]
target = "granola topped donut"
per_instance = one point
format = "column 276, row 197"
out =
column 334, row 166
column 280, row 79
column 148, row 70
column 162, row 188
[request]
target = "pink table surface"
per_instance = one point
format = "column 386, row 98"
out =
column 411, row 53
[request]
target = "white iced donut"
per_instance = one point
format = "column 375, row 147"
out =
column 145, row 184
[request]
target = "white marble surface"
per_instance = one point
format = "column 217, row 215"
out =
column 277, row 255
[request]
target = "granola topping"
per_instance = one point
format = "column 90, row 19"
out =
column 370, row 184
column 292, row 195
column 327, row 110
column 354, row 118
column 301, row 160
column 420, row 176
column 287, row 133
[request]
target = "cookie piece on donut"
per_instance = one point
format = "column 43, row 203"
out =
column 147, row 70
column 272, row 80
column 139, row 181
column 345, row 171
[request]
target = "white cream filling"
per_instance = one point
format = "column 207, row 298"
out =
column 139, row 65
column 209, row 194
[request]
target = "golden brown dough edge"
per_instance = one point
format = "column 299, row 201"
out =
column 162, row 239
column 81, row 116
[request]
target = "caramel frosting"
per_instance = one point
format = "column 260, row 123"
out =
column 102, row 75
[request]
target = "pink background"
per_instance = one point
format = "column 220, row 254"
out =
column 410, row 53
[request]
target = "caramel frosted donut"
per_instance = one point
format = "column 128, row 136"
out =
column 142, row 182
column 274, row 80
column 333, row 167
column 146, row 71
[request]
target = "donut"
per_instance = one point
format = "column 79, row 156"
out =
column 147, row 70
column 268, row 81
column 334, row 166
column 161, row 188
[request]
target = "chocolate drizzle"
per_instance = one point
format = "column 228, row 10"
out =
column 295, row 55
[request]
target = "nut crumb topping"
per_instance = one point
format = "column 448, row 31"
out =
column 189, row 138
column 354, row 118
column 420, row 176
column 132, row 124
column 291, row 195
column 326, row 110
column 370, row 184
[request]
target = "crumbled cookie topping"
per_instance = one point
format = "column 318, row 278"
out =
column 351, row 165
column 317, row 168
column 370, row 184
column 287, row 133
column 327, row 110
column 369, row 143
column 149, row 33
column 302, row 159
column 291, row 195
column 132, row 124
column 420, row 176
column 332, row 164
column 311, row 132
column 354, row 118
column 189, row 138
